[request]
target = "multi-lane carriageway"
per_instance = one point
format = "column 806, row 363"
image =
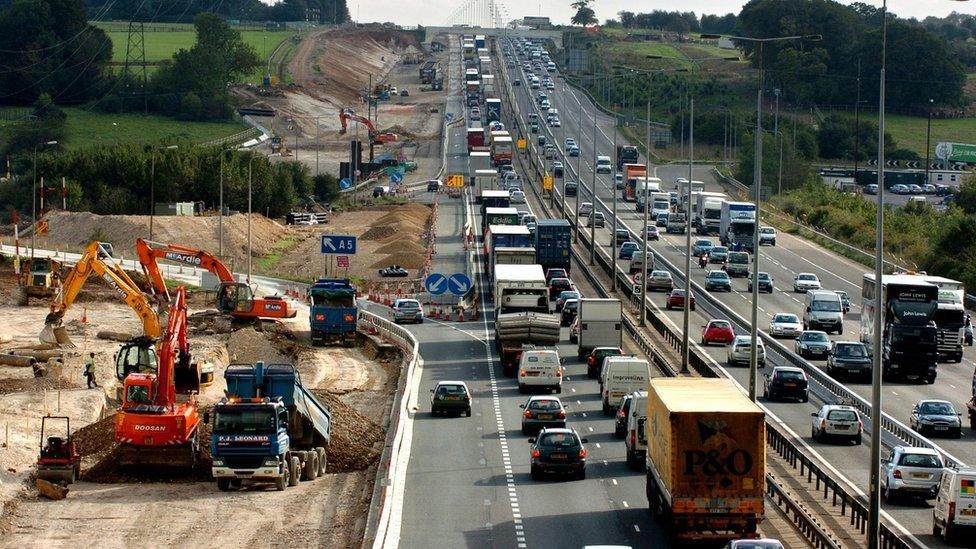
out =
column 791, row 256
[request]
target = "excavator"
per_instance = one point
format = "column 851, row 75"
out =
column 151, row 427
column 233, row 298
column 374, row 135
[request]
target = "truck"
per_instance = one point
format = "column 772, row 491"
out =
column 488, row 87
column 493, row 108
column 479, row 159
column 706, row 461
column 493, row 198
column 708, row 212
column 498, row 216
column 601, row 322
column 660, row 203
column 428, row 72
column 332, row 311
column 909, row 337
column 501, row 150
column 476, row 138
column 553, row 244
column 507, row 255
column 632, row 173
column 522, row 320
column 269, row 428
column 510, row 236
column 484, row 180
column 737, row 224
column 626, row 154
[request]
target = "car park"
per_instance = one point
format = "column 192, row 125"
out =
column 936, row 417
column 558, row 285
column 786, row 382
column 804, row 282
column 740, row 351
column 450, row 396
column 765, row 282
column 718, row 280
column 785, row 325
column 620, row 423
column 717, row 331
column 767, row 235
column 569, row 312
column 701, row 246
column 911, row 472
column 812, row 343
column 660, row 280
column 594, row 361
column 564, row 296
column 838, row 422
column 954, row 512
column 676, row 300
column 557, row 451
column 627, row 250
column 849, row 358
column 540, row 412
column 718, row 254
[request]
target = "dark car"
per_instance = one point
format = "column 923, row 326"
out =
column 540, row 412
column 433, row 186
column 569, row 312
column 936, row 417
column 555, row 272
column 849, row 358
column 812, row 343
column 565, row 296
column 559, row 285
column 620, row 424
column 627, row 250
column 785, row 382
column 558, row 451
column 571, row 188
column 516, row 82
column 765, row 282
column 450, row 396
column 718, row 254
column 594, row 361
column 541, row 140
column 845, row 300
column 394, row 271
column 718, row 280
column 621, row 236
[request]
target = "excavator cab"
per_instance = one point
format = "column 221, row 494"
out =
column 235, row 297
column 136, row 357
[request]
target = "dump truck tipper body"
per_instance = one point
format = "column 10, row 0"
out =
column 332, row 311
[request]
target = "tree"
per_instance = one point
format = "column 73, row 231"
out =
column 46, row 123
column 584, row 13
column 626, row 19
column 796, row 171
column 966, row 195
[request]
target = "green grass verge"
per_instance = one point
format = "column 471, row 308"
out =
column 909, row 132
column 266, row 264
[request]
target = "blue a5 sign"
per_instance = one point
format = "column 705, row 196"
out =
column 338, row 244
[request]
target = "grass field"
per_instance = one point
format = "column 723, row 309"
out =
column 909, row 132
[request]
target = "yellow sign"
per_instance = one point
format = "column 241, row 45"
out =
column 521, row 143
column 456, row 181
column 547, row 183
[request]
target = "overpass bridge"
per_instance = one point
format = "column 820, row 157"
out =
column 554, row 35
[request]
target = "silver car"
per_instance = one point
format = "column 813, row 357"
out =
column 542, row 411
column 785, row 325
column 804, row 282
column 911, row 472
column 408, row 310
column 740, row 351
column 836, row 421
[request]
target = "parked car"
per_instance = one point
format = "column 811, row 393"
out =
column 660, row 280
column 804, row 282
column 718, row 280
column 911, row 472
column 898, row 189
column 765, row 282
column 557, row 451
column 915, row 189
column 627, row 250
column 955, row 505
column 394, row 271
column 701, row 246
column 785, row 325
column 717, row 331
column 812, row 343
column 936, row 417
column 408, row 310
column 450, row 396
column 740, row 351
column 676, row 300
column 767, row 235
column 540, row 412
column 849, row 358
column 718, row 254
column 837, row 421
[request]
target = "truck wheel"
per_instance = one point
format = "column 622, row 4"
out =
column 323, row 459
column 223, row 484
column 310, row 469
column 282, row 481
column 294, row 470
column 972, row 420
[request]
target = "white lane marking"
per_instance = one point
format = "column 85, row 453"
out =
column 636, row 528
column 590, row 429
column 624, row 502
column 597, row 444
column 614, row 481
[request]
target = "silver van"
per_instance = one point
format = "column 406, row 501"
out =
column 823, row 311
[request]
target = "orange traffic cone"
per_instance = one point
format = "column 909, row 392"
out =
column 84, row 315
column 460, row 315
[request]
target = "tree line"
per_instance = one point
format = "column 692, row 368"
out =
column 321, row 11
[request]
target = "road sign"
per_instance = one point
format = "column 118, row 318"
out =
column 455, row 180
column 521, row 143
column 547, row 183
column 435, row 283
column 342, row 261
column 396, row 177
column 338, row 245
column 459, row 283
column 345, row 183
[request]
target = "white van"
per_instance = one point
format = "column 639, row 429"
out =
column 540, row 369
column 823, row 311
column 955, row 504
column 636, row 438
column 550, row 67
column 637, row 262
column 603, row 164
column 622, row 375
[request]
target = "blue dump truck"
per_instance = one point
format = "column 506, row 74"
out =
column 332, row 314
column 269, row 428
column 553, row 241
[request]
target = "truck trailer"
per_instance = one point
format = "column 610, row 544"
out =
column 601, row 324
column 522, row 312
column 332, row 311
column 553, row 244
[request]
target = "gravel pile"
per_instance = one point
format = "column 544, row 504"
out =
column 356, row 439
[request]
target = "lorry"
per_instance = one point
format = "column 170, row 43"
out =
column 488, row 89
column 632, row 173
column 484, row 180
column 493, row 108
column 498, row 216
column 600, row 323
column 706, row 462
column 479, row 159
column 737, row 224
column 501, row 150
column 511, row 236
column 494, row 199
column 708, row 212
column 626, row 154
column 476, row 138
column 660, row 203
column 428, row 72
column 553, row 244
column 523, row 319
column 269, row 428
column 909, row 337
column 332, row 311
column 506, row 255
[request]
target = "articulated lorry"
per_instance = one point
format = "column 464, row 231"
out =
column 484, row 180
column 332, row 311
column 626, row 154
column 601, row 325
column 706, row 461
column 553, row 244
column 522, row 313
column 909, row 337
column 269, row 428
column 509, row 236
column 708, row 212
column 632, row 173
column 737, row 224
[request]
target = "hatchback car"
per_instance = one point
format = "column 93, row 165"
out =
column 785, row 325
column 765, row 282
column 585, row 209
column 571, row 188
column 936, row 417
column 804, row 282
column 594, row 361
column 627, row 250
column 540, row 412
column 618, row 181
column 911, row 471
column 740, row 351
column 836, row 421
column 559, row 285
column 557, row 451
column 651, row 233
column 620, row 236
column 597, row 220
column 564, row 296
column 661, row 220
column 676, row 300
column 660, row 280
column 717, row 331
column 767, row 235
column 574, row 151
column 786, row 382
column 849, row 358
column 569, row 312
column 718, row 280
column 718, row 254
column 556, row 272
column 620, row 420
column 450, row 396
column 812, row 343
column 557, row 169
column 899, row 189
column 701, row 246
column 408, row 310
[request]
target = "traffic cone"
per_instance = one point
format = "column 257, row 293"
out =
column 84, row 315
column 474, row 313
column 460, row 315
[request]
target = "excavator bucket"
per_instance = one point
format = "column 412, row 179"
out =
column 56, row 335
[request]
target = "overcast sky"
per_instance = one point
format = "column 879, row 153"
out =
column 436, row 12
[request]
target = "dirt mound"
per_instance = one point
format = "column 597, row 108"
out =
column 34, row 384
column 403, row 259
column 379, row 233
column 355, row 437
column 403, row 245
column 247, row 346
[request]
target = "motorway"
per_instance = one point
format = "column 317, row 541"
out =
column 790, row 256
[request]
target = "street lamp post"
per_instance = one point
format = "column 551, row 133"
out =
column 34, row 194
column 593, row 198
column 220, row 215
column 579, row 174
column 249, row 190
column 152, row 186
column 928, row 140
column 613, row 241
column 686, row 322
column 646, row 249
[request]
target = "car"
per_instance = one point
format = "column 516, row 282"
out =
column 871, row 188
column 899, row 189
column 764, row 543
column 404, row 92
column 785, row 325
column 596, row 220
column 717, row 331
column 540, row 140
column 550, row 86
column 450, row 396
column 574, row 151
column 545, row 104
column 555, row 272
column 804, row 282
column 651, row 233
column 550, row 152
column 915, row 189
column 701, row 246
column 620, row 421
column 812, row 343
column 845, row 301
column 850, row 358
column 434, row 185
column 506, row 168
column 557, row 168
column 837, row 421
column 618, row 181
column 718, row 254
column 786, row 382
column 540, row 412
column 516, row 82
column 676, row 300
column 718, row 280
column 740, row 351
column 393, row 90
column 394, row 271
column 594, row 361
column 534, row 127
column 620, row 236
column 531, row 227
column 526, row 219
column 517, row 197
column 574, row 331
column 585, row 209
column 661, row 220
column 765, row 282
column 555, row 122
column 659, row 280
column 475, row 114
column 911, row 472
column 558, row 285
column 943, row 190
column 569, row 312
column 564, row 296
column 557, row 450
column 936, row 417
column 767, row 235
column 569, row 142
column 627, row 250
column 571, row 188
column 929, row 188
column 953, row 511
column 408, row 310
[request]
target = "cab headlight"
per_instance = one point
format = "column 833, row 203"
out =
column 218, row 462
column 270, row 461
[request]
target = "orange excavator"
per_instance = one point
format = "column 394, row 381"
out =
column 151, row 427
column 233, row 298
column 374, row 135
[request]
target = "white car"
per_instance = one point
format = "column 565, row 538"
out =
column 804, row 282
column 785, row 325
column 740, row 351
column 836, row 421
column 767, row 235
column 911, row 471
column 517, row 197
column 585, row 209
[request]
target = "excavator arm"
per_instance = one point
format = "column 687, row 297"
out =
column 150, row 252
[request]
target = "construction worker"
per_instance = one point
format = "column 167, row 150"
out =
column 90, row 370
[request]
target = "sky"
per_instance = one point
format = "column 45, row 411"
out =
column 436, row 12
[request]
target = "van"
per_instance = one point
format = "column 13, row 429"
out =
column 737, row 264
column 823, row 311
column 955, row 504
column 635, row 439
column 622, row 375
column 637, row 262
column 540, row 369
column 550, row 67
column 534, row 83
column 603, row 164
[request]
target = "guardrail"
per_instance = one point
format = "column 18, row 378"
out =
column 238, row 137
column 807, row 525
